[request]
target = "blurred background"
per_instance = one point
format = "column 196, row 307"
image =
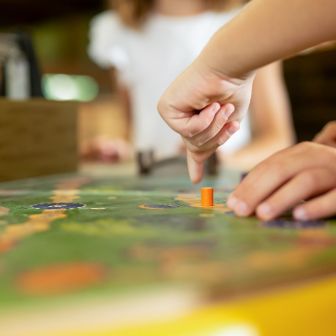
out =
column 59, row 31
column 53, row 38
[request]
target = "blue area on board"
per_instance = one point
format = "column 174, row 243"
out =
column 162, row 206
column 287, row 223
column 57, row 206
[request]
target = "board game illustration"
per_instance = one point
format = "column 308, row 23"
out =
column 65, row 237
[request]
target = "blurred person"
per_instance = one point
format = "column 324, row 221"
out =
column 149, row 43
column 103, row 149
column 219, row 82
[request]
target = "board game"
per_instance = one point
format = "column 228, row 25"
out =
column 140, row 246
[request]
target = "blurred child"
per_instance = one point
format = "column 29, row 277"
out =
column 150, row 42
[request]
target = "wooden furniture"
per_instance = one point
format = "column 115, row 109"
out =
column 37, row 137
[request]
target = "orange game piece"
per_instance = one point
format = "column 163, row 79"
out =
column 207, row 197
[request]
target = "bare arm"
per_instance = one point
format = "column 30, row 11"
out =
column 266, row 31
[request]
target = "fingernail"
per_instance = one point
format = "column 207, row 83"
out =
column 300, row 213
column 231, row 108
column 228, row 111
column 232, row 129
column 195, row 170
column 231, row 202
column 265, row 211
column 215, row 107
column 241, row 208
column 194, row 177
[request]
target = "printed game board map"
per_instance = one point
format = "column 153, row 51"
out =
column 61, row 237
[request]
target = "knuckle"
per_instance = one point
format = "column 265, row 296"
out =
column 194, row 149
column 199, row 142
column 305, row 145
column 161, row 107
column 187, row 132
column 331, row 201
column 276, row 167
column 223, row 136
column 310, row 179
column 306, row 148
column 222, row 140
column 331, row 125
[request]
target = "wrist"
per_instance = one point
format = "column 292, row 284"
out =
column 224, row 70
column 220, row 56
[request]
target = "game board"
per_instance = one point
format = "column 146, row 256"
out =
column 63, row 238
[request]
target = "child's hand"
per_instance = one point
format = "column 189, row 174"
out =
column 205, row 108
column 306, row 171
column 106, row 150
column 328, row 135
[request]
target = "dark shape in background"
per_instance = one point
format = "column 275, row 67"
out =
column 311, row 83
column 24, row 43
column 22, row 12
column 59, row 32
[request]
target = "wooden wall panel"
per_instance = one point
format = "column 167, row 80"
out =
column 37, row 137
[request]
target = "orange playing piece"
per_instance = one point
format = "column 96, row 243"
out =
column 207, row 197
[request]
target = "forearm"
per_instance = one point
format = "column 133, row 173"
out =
column 268, row 30
column 256, row 151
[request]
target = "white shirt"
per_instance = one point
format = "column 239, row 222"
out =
column 148, row 60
